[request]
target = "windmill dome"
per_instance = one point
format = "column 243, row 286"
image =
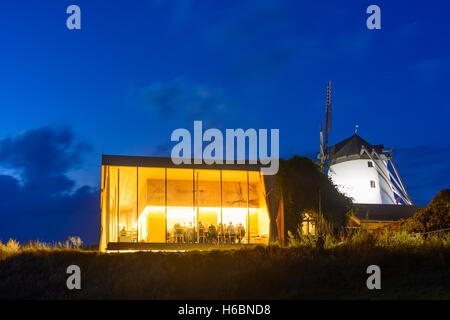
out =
column 360, row 171
column 350, row 148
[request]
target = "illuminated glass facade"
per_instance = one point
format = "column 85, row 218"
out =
column 153, row 203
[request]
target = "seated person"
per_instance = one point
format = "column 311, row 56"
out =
column 212, row 234
column 178, row 232
column 241, row 232
column 220, row 233
column 232, row 232
column 201, row 232
column 124, row 235
column 190, row 233
column 227, row 233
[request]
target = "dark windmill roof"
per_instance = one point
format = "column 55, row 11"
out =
column 351, row 148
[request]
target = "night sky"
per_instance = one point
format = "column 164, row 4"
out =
column 137, row 70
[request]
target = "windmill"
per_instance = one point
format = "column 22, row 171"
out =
column 363, row 171
column 323, row 155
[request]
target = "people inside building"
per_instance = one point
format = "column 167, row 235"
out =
column 206, row 233
column 212, row 234
column 220, row 233
column 201, row 232
column 190, row 234
column 240, row 233
column 178, row 233
column 231, row 230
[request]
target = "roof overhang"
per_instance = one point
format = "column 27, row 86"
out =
column 165, row 162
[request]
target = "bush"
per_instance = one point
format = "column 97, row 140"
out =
column 436, row 216
column 297, row 239
column 360, row 239
column 399, row 238
column 303, row 186
column 13, row 245
column 75, row 242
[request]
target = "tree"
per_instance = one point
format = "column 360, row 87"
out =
column 304, row 188
column 436, row 216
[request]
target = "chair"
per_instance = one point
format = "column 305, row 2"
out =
column 212, row 234
column 241, row 235
column 201, row 235
column 179, row 236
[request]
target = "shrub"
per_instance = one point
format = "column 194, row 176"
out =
column 304, row 188
column 399, row 238
column 436, row 216
column 13, row 245
column 360, row 239
column 75, row 242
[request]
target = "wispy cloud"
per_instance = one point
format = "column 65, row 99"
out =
column 185, row 101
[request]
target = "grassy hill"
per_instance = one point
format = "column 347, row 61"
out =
column 407, row 272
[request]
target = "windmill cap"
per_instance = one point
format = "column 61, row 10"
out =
column 350, row 149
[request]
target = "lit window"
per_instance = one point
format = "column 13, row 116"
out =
column 372, row 183
column 308, row 225
column 370, row 164
column 162, row 205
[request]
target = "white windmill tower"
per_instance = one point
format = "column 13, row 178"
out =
column 360, row 170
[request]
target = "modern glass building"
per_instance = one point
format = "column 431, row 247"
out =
column 149, row 201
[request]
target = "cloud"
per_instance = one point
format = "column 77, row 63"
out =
column 44, row 154
column 185, row 101
column 43, row 202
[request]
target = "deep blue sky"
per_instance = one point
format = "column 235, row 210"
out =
column 137, row 70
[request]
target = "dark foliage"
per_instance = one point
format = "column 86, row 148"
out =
column 303, row 186
column 436, row 215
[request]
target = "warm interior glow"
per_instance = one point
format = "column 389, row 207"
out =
column 152, row 218
column 144, row 204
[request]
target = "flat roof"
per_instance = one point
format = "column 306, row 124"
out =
column 165, row 162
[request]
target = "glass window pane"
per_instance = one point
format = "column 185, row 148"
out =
column 104, row 208
column 207, row 206
column 181, row 217
column 259, row 215
column 234, row 210
column 127, row 204
column 312, row 229
column 112, row 218
column 152, row 210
